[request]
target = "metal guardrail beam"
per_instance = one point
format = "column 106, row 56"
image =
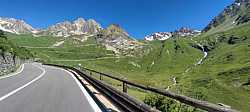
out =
column 127, row 103
column 204, row 105
column 122, row 100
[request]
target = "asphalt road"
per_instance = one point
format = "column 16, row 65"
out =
column 40, row 88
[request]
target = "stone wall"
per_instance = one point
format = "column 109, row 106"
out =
column 8, row 66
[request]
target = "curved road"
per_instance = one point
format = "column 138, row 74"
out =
column 39, row 88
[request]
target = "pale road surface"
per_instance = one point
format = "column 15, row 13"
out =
column 39, row 88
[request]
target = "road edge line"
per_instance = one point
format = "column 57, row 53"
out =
column 91, row 101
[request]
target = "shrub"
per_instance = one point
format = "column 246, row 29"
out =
column 165, row 104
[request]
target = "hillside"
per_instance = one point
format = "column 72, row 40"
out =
column 11, row 55
column 171, row 64
column 225, row 74
column 222, row 77
column 212, row 65
column 233, row 15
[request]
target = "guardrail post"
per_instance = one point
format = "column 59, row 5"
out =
column 124, row 87
column 100, row 76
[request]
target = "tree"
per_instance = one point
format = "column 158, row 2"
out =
column 14, row 54
column 2, row 53
column 2, row 35
column 3, row 47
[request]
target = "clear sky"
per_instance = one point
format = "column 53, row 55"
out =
column 138, row 17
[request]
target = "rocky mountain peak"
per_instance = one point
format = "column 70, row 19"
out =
column 234, row 14
column 115, row 28
column 117, row 39
column 91, row 27
column 185, row 31
column 12, row 25
column 182, row 32
column 158, row 36
column 78, row 27
column 92, row 21
column 80, row 21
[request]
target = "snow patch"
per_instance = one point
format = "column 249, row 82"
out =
column 6, row 30
column 158, row 36
column 135, row 64
column 238, row 4
column 58, row 44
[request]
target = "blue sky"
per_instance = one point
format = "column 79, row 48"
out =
column 138, row 17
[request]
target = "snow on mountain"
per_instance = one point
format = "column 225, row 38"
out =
column 182, row 32
column 63, row 29
column 233, row 15
column 77, row 27
column 16, row 26
column 159, row 36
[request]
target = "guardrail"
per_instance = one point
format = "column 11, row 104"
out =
column 130, row 104
column 123, row 101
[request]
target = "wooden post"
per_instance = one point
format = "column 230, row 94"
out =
column 124, row 87
column 100, row 76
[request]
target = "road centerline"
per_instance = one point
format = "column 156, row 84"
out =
column 25, row 85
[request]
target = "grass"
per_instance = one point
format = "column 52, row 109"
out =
column 31, row 41
column 220, row 79
column 225, row 69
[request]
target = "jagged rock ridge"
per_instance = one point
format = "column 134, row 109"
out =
column 16, row 26
column 77, row 27
column 117, row 39
column 63, row 29
column 182, row 32
column 234, row 14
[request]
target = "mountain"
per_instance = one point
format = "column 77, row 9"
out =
column 233, row 15
column 113, row 37
column 12, row 25
column 77, row 27
column 182, row 32
column 63, row 29
column 114, row 31
column 214, row 68
column 158, row 36
column 117, row 39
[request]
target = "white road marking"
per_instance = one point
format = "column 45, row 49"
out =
column 94, row 106
column 27, row 84
column 13, row 74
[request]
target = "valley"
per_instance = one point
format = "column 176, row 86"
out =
column 211, row 65
column 174, row 64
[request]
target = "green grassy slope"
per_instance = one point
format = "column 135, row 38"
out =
column 6, row 46
column 223, row 77
column 225, row 73
column 71, row 50
column 31, row 41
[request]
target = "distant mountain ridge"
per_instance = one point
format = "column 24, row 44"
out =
column 16, row 26
column 182, row 32
column 63, row 29
column 77, row 27
column 117, row 39
column 233, row 15
column 113, row 37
